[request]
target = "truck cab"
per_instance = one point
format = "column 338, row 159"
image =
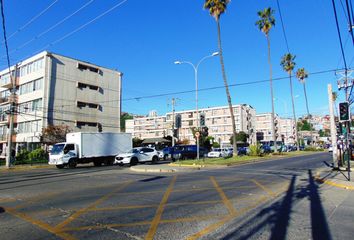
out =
column 63, row 154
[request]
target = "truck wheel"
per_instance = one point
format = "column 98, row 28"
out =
column 155, row 159
column 61, row 166
column 97, row 163
column 108, row 162
column 133, row 161
column 72, row 163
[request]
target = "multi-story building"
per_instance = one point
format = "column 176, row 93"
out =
column 51, row 90
column 284, row 128
column 217, row 119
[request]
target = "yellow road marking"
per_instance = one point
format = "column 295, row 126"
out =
column 40, row 224
column 230, row 217
column 264, row 188
column 155, row 222
column 122, row 207
column 328, row 182
column 93, row 205
column 223, row 196
column 226, row 219
column 191, row 219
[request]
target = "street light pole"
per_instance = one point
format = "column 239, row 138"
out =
column 195, row 67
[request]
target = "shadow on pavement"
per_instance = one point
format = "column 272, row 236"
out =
column 275, row 219
column 2, row 210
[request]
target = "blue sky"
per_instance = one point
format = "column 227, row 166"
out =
column 142, row 39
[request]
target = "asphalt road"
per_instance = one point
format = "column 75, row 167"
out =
column 269, row 200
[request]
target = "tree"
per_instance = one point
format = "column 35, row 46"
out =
column 123, row 118
column 55, row 133
column 216, row 9
column 240, row 137
column 265, row 24
column 288, row 64
column 301, row 74
column 137, row 142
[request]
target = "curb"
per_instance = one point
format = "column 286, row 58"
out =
column 155, row 170
column 334, row 183
column 23, row 167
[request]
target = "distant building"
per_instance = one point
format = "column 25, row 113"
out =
column 51, row 90
column 217, row 119
column 284, row 128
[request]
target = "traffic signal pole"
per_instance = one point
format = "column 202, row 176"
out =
column 333, row 127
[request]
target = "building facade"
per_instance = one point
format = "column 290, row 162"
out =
column 52, row 90
column 217, row 119
column 284, row 128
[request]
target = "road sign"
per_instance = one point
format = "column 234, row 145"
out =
column 197, row 134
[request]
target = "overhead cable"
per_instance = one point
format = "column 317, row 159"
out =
column 32, row 19
column 52, row 27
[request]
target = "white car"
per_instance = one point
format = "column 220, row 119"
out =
column 219, row 152
column 137, row 155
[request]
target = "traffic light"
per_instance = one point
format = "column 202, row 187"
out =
column 339, row 128
column 178, row 121
column 344, row 111
column 202, row 120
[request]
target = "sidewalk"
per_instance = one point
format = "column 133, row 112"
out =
column 25, row 167
column 336, row 178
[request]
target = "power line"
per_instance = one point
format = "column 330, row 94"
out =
column 52, row 27
column 339, row 35
column 282, row 24
column 350, row 21
column 33, row 19
column 84, row 25
column 5, row 37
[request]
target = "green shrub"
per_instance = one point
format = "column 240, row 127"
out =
column 255, row 150
column 36, row 156
column 22, row 156
column 313, row 149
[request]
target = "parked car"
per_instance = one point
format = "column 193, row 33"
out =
column 266, row 149
column 242, row 151
column 137, row 155
column 188, row 152
column 220, row 152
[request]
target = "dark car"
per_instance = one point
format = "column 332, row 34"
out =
column 187, row 152
column 266, row 149
column 242, row 151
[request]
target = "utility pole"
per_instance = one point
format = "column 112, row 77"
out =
column 345, row 82
column 173, row 121
column 11, row 112
column 333, row 127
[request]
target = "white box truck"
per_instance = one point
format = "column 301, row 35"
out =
column 84, row 147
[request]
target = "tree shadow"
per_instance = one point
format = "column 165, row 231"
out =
column 275, row 219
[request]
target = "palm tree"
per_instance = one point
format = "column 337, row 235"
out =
column 265, row 23
column 216, row 8
column 288, row 64
column 301, row 74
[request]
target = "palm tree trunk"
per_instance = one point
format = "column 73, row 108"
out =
column 234, row 144
column 294, row 115
column 272, row 97
column 308, row 113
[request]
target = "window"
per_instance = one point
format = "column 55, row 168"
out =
column 30, row 106
column 190, row 122
column 85, row 85
column 31, row 86
column 85, row 104
column 82, row 123
column 86, row 67
column 31, row 67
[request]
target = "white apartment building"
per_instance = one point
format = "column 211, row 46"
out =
column 217, row 119
column 51, row 90
column 284, row 128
